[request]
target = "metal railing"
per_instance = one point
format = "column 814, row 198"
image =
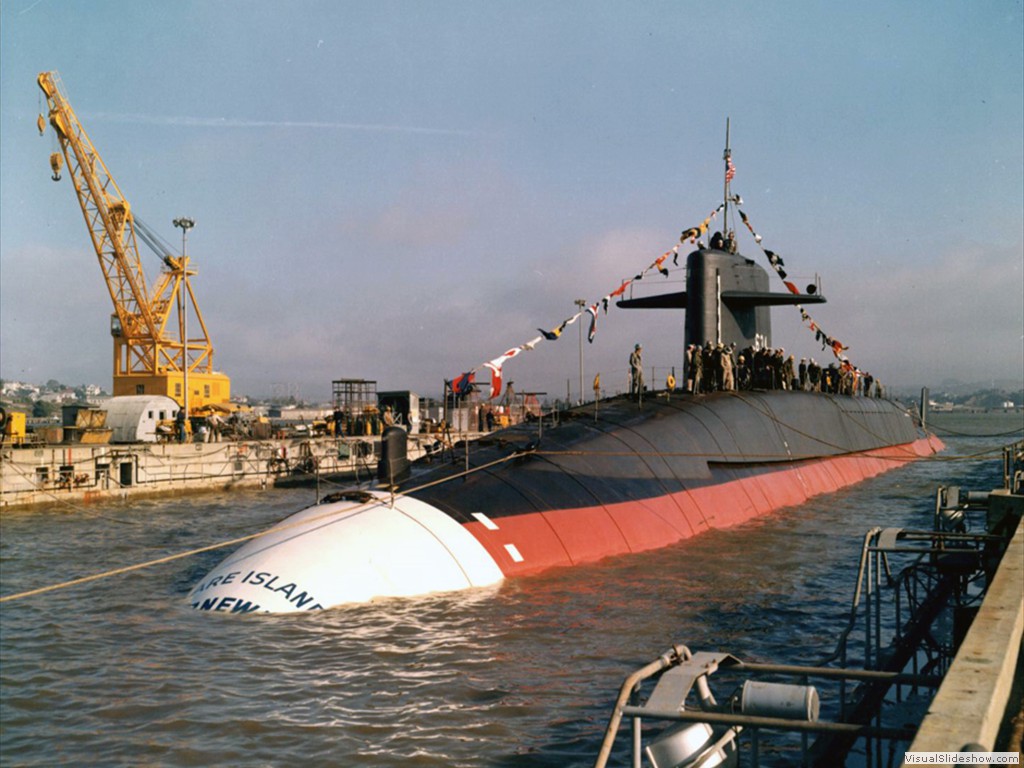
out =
column 711, row 731
column 915, row 594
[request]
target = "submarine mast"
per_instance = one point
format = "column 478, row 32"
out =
column 727, row 157
column 727, row 297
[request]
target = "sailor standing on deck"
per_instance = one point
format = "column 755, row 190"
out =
column 728, row 378
column 636, row 372
column 698, row 371
column 689, row 368
column 707, row 368
column 179, row 424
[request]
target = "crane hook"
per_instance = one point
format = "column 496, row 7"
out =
column 41, row 125
column 55, row 163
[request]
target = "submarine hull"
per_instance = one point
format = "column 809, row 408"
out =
column 610, row 479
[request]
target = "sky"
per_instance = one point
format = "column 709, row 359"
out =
column 402, row 191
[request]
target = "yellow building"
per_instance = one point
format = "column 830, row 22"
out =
column 204, row 388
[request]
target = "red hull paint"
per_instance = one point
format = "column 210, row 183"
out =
column 561, row 537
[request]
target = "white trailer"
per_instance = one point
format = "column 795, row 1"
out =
column 134, row 418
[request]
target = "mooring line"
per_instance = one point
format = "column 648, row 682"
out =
column 243, row 539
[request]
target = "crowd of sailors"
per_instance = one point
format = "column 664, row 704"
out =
column 721, row 367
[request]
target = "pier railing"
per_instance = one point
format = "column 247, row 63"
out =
column 677, row 688
column 929, row 608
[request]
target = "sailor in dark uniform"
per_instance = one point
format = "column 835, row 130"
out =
column 698, row 371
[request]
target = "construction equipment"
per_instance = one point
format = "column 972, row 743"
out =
column 147, row 358
column 12, row 427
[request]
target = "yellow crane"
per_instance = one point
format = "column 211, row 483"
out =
column 148, row 359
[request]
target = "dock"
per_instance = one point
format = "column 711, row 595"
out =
column 978, row 707
column 79, row 473
column 929, row 663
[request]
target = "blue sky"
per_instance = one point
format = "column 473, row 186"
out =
column 401, row 191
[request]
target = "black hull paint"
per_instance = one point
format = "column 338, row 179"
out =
column 667, row 445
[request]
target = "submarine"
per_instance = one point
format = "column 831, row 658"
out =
column 626, row 475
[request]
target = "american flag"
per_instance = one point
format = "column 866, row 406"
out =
column 730, row 169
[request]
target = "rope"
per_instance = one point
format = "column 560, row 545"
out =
column 76, row 507
column 843, row 449
column 769, row 456
column 243, row 539
column 483, row 467
column 954, row 433
column 225, row 451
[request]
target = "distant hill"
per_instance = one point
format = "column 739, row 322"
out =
column 957, row 387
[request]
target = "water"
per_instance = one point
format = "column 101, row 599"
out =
column 120, row 672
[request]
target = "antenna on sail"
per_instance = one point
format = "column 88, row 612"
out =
column 729, row 172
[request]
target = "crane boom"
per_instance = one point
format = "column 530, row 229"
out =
column 148, row 359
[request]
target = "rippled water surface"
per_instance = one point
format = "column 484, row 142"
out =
column 122, row 672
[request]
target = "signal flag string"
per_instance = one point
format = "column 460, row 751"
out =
column 827, row 342
column 463, row 384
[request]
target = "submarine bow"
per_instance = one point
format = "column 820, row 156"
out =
column 348, row 551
